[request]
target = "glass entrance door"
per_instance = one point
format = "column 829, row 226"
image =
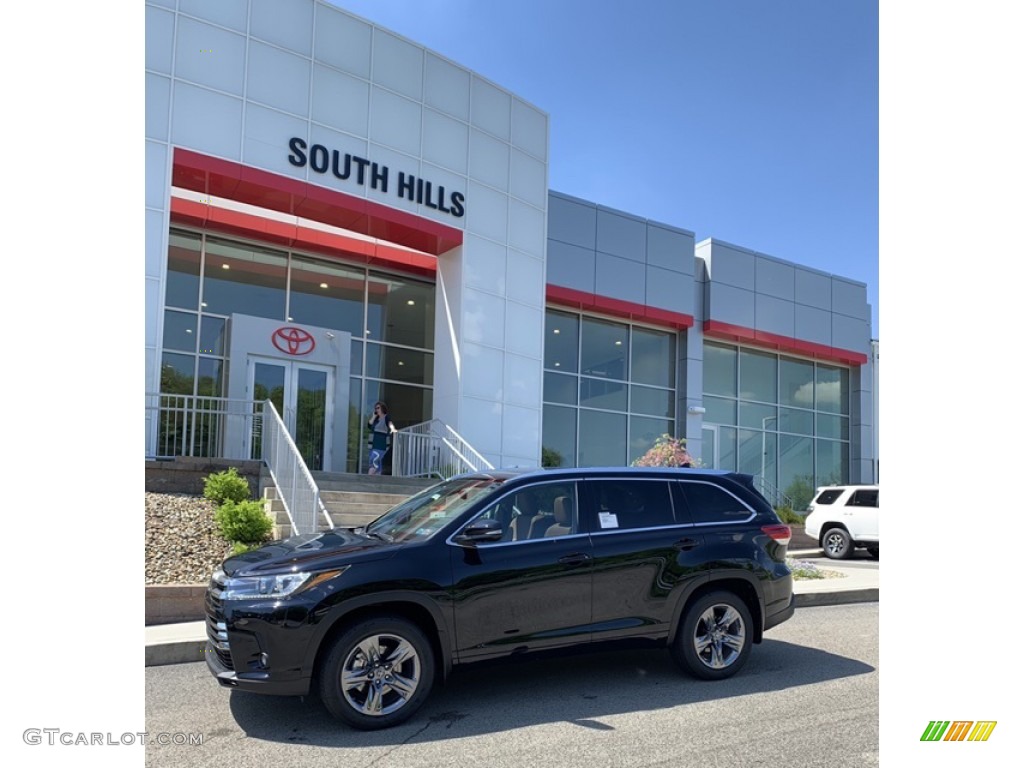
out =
column 299, row 392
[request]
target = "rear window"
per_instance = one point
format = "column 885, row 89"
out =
column 829, row 496
column 710, row 504
column 864, row 498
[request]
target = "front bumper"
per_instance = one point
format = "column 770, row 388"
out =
column 253, row 682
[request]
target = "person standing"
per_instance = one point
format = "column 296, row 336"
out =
column 381, row 428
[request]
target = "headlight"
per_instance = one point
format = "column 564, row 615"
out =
column 255, row 587
column 272, row 587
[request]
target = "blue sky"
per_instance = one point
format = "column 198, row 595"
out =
column 751, row 122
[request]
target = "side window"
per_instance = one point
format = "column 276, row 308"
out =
column 710, row 504
column 630, row 504
column 829, row 496
column 864, row 498
column 539, row 511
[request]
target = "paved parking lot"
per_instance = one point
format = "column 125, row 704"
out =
column 808, row 697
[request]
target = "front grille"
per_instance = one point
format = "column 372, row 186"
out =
column 216, row 628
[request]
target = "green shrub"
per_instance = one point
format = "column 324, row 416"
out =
column 226, row 486
column 788, row 516
column 243, row 521
column 241, row 547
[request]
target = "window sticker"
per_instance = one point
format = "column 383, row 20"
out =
column 609, row 519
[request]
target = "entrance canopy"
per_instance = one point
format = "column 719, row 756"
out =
column 215, row 177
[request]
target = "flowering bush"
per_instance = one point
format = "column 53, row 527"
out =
column 668, row 451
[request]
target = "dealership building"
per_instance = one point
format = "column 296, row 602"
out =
column 336, row 215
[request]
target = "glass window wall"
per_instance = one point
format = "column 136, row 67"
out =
column 210, row 277
column 793, row 416
column 609, row 390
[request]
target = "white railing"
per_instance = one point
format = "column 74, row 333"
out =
column 190, row 425
column 295, row 485
column 433, row 449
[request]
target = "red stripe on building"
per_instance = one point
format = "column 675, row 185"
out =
column 727, row 332
column 592, row 302
column 224, row 178
column 271, row 231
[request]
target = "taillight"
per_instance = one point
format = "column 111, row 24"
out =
column 780, row 533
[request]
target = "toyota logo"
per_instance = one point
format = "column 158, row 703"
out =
column 293, row 341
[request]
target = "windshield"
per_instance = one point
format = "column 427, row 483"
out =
column 422, row 515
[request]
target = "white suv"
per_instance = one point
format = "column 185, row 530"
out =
column 842, row 517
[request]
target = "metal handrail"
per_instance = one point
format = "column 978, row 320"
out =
column 199, row 425
column 295, row 485
column 433, row 449
column 775, row 497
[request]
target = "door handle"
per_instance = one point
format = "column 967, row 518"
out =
column 686, row 544
column 577, row 558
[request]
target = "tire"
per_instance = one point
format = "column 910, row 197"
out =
column 374, row 655
column 873, row 552
column 714, row 636
column 837, row 544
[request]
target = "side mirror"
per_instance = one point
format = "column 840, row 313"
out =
column 480, row 531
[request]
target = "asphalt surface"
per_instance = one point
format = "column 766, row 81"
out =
column 808, row 696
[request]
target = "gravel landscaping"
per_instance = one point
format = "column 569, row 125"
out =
column 182, row 544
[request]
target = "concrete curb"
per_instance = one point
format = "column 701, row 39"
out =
column 176, row 652
column 841, row 597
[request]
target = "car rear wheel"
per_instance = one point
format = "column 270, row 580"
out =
column 378, row 673
column 714, row 637
column 837, row 544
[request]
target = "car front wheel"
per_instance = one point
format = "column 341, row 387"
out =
column 837, row 544
column 714, row 637
column 378, row 673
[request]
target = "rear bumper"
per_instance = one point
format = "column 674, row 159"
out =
column 779, row 612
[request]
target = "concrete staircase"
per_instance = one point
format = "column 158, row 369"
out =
column 351, row 500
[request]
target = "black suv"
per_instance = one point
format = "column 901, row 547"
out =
column 493, row 564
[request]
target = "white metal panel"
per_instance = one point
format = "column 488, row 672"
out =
column 395, row 121
column 287, row 23
column 210, row 56
column 528, row 179
column 397, row 64
column 526, row 227
column 482, row 375
column 445, row 141
column 342, row 41
column 446, row 86
column 525, row 329
column 490, row 108
column 340, row 101
column 207, row 122
column 529, row 130
column 524, row 278
column 278, row 79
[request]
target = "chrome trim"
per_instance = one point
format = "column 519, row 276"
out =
column 495, row 544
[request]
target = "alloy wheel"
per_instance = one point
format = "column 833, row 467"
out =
column 720, row 636
column 380, row 674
